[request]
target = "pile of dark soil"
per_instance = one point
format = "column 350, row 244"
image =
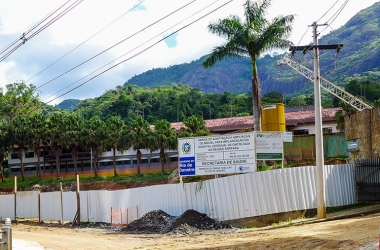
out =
column 155, row 221
column 158, row 221
column 197, row 220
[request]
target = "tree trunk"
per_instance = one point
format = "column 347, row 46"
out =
column 114, row 161
column 138, row 156
column 74, row 154
column 1, row 167
column 37, row 152
column 57, row 153
column 19, row 154
column 256, row 97
column 95, row 162
column 162, row 159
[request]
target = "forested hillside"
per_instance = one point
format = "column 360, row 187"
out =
column 359, row 59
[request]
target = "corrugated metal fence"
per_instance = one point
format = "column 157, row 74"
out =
column 227, row 198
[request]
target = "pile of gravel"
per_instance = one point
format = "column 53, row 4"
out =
column 189, row 222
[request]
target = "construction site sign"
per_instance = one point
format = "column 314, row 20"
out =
column 211, row 155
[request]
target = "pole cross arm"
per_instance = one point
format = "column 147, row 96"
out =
column 311, row 47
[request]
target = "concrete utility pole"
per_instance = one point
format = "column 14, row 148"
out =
column 320, row 183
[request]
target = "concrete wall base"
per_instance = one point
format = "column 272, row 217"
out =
column 268, row 219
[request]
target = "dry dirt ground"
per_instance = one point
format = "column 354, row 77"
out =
column 353, row 233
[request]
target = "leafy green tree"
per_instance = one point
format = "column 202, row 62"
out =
column 163, row 138
column 37, row 137
column 5, row 143
column 73, row 135
column 251, row 38
column 297, row 101
column 339, row 116
column 19, row 99
column 194, row 126
column 95, row 133
column 19, row 136
column 140, row 137
column 115, row 128
column 56, row 129
column 273, row 97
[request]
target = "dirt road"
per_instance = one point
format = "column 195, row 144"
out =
column 353, row 233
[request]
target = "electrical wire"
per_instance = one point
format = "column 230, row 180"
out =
column 328, row 11
column 85, row 41
column 24, row 39
column 333, row 18
column 140, row 51
column 115, row 45
column 52, row 95
column 33, row 27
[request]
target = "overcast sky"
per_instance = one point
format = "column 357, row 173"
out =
column 90, row 16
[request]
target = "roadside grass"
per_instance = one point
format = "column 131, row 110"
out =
column 30, row 181
column 331, row 210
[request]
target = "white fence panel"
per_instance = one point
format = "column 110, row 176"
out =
column 99, row 206
column 340, row 185
column 69, row 204
column 84, row 203
column 51, row 208
column 226, row 198
column 7, row 207
column 27, row 204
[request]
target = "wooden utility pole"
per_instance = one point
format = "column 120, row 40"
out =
column 320, row 182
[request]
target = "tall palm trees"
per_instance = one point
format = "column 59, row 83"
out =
column 115, row 138
column 73, row 135
column 19, row 134
column 251, row 37
column 163, row 138
column 37, row 137
column 95, row 134
column 140, row 136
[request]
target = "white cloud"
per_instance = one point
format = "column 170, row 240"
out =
column 91, row 16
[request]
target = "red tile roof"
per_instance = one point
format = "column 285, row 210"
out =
column 246, row 122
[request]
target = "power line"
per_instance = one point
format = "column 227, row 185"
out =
column 24, row 39
column 52, row 95
column 33, row 27
column 328, row 11
column 115, row 44
column 141, row 51
column 85, row 41
column 336, row 14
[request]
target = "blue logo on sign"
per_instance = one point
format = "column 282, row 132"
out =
column 186, row 148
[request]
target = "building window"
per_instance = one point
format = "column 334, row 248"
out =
column 300, row 132
column 327, row 130
column 29, row 154
column 14, row 156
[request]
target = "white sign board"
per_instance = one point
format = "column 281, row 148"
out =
column 288, row 137
column 269, row 145
column 212, row 155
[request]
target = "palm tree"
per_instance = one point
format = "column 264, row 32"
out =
column 139, row 135
column 56, row 128
column 252, row 38
column 94, row 133
column 194, row 126
column 19, row 135
column 114, row 130
column 163, row 138
column 36, row 137
column 73, row 135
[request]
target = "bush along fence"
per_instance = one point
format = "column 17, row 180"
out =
column 227, row 198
